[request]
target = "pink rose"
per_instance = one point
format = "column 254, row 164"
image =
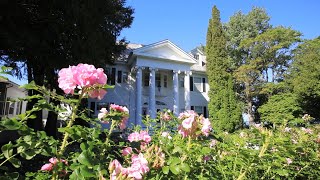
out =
column 187, row 123
column 53, row 162
column 126, row 151
column 102, row 114
column 97, row 93
column 119, row 108
column 115, row 166
column 144, row 136
column 134, row 137
column 47, row 167
column 82, row 76
column 213, row 143
column 66, row 82
column 166, row 134
column 206, row 126
column 182, row 131
column 123, row 123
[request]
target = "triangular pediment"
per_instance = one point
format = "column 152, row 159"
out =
column 165, row 50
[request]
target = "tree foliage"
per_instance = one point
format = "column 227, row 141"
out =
column 44, row 36
column 224, row 108
column 304, row 76
column 258, row 50
column 55, row 34
column 281, row 109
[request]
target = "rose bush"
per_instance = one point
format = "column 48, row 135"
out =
column 168, row 147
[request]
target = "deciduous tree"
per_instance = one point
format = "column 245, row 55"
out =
column 43, row 36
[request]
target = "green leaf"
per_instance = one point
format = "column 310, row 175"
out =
column 175, row 161
column 174, row 169
column 76, row 175
column 205, row 150
column 14, row 175
column 177, row 149
column 7, row 150
column 4, row 168
column 281, row 172
column 107, row 86
column 20, row 149
column 84, row 158
column 165, row 169
column 15, row 162
column 86, row 172
column 185, row 167
column 31, row 85
column 11, row 124
column 29, row 154
column 84, row 146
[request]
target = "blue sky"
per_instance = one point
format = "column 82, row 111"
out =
column 185, row 22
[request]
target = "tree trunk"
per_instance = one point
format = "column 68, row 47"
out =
column 250, row 113
column 35, row 72
column 51, row 125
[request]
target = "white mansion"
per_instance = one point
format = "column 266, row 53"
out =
column 150, row 78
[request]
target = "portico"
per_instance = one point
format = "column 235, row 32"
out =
column 158, row 78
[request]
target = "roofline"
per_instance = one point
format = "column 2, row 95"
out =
column 166, row 41
column 166, row 59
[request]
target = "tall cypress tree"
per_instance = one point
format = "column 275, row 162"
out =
column 224, row 110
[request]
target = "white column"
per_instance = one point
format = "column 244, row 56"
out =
column 187, row 90
column 176, row 93
column 152, row 93
column 138, row 96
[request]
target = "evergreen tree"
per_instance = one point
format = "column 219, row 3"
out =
column 224, row 110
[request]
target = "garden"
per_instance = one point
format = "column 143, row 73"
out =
column 168, row 147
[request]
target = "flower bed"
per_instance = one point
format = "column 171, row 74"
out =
column 183, row 147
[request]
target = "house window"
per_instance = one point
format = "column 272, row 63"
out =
column 125, row 77
column 111, row 74
column 181, row 82
column 197, row 84
column 18, row 111
column 101, row 105
column 165, row 81
column 204, row 85
column 198, row 109
column 119, row 77
column 201, row 110
column 11, row 108
column 191, row 83
column 144, row 111
column 158, row 80
column 196, row 56
column 146, row 79
column 108, row 73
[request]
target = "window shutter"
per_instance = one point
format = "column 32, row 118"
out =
column 113, row 76
column 119, row 80
column 204, row 85
column 191, row 83
column 205, row 111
